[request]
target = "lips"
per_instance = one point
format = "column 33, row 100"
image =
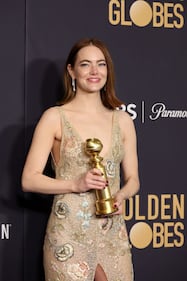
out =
column 94, row 80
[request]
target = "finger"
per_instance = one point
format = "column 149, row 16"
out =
column 119, row 208
column 95, row 183
column 99, row 179
column 96, row 187
column 117, row 204
column 96, row 172
column 92, row 176
column 98, row 184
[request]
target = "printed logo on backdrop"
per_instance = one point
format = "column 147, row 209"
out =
column 5, row 230
column 167, row 14
column 161, row 225
column 158, row 110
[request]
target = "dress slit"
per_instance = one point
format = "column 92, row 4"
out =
column 100, row 274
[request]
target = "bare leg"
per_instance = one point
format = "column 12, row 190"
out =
column 100, row 274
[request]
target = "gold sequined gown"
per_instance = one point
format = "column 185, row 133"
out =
column 76, row 240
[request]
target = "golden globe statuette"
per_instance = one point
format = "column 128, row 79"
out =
column 104, row 200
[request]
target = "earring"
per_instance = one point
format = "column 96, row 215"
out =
column 73, row 85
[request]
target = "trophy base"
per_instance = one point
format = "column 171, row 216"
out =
column 105, row 207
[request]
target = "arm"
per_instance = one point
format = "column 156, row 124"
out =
column 129, row 162
column 33, row 180
column 44, row 135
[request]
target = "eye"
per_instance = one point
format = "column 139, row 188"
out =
column 84, row 64
column 103, row 63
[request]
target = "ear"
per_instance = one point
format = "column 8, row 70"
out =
column 70, row 71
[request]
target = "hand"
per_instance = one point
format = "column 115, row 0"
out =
column 118, row 203
column 93, row 179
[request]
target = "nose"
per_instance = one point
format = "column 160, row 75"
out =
column 93, row 69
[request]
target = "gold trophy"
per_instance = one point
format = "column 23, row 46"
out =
column 104, row 200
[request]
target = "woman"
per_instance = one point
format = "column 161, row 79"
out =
column 78, row 244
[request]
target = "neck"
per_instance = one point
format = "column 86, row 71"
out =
column 88, row 103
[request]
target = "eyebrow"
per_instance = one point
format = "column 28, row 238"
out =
column 85, row 60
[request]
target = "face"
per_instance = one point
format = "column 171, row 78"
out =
column 90, row 70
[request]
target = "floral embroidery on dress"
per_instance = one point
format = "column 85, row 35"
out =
column 64, row 252
column 61, row 209
column 105, row 224
column 78, row 271
column 110, row 168
column 84, row 214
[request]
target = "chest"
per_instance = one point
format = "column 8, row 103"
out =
column 92, row 126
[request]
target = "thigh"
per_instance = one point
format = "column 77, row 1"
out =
column 100, row 274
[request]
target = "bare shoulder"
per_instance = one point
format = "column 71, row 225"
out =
column 51, row 114
column 126, row 124
column 125, row 119
column 50, row 121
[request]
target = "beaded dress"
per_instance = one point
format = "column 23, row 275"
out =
column 76, row 241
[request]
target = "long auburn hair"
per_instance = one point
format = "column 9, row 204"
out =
column 108, row 95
